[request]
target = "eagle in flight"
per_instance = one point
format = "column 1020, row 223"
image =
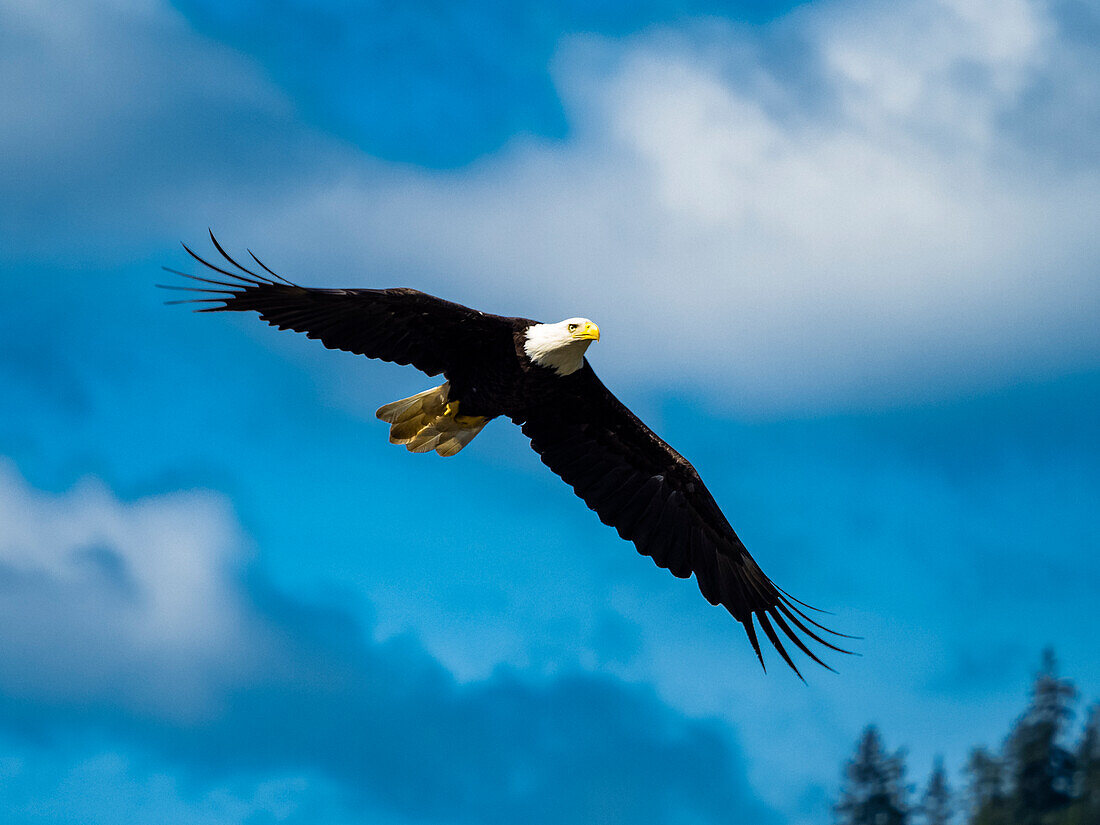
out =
column 537, row 375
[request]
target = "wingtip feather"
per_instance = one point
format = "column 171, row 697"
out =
column 750, row 629
column 773, row 637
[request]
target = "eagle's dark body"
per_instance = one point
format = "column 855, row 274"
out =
column 632, row 479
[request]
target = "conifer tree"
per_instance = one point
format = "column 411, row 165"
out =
column 1035, row 780
column 935, row 805
column 986, row 796
column 874, row 791
column 1085, row 809
column 1041, row 769
column 1088, row 768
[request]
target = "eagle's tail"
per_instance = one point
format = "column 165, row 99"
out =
column 430, row 421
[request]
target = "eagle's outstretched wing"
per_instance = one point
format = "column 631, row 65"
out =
column 652, row 495
column 399, row 325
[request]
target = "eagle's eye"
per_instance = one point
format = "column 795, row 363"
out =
column 573, row 327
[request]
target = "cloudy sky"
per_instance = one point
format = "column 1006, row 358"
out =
column 844, row 257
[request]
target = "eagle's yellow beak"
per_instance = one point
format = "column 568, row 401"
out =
column 587, row 332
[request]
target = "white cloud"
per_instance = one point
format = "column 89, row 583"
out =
column 898, row 241
column 862, row 203
column 129, row 601
column 128, row 624
column 119, row 119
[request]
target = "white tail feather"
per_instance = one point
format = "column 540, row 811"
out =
column 430, row 401
column 430, row 421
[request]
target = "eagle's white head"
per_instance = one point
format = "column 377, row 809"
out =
column 560, row 346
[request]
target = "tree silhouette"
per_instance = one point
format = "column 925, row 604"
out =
column 1041, row 769
column 1088, row 768
column 1085, row 809
column 935, row 805
column 874, row 791
column 986, row 796
column 1035, row 779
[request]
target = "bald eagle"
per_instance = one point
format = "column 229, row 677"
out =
column 537, row 375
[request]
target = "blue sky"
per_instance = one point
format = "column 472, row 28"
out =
column 844, row 258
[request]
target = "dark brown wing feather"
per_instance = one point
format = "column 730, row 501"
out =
column 652, row 496
column 399, row 325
